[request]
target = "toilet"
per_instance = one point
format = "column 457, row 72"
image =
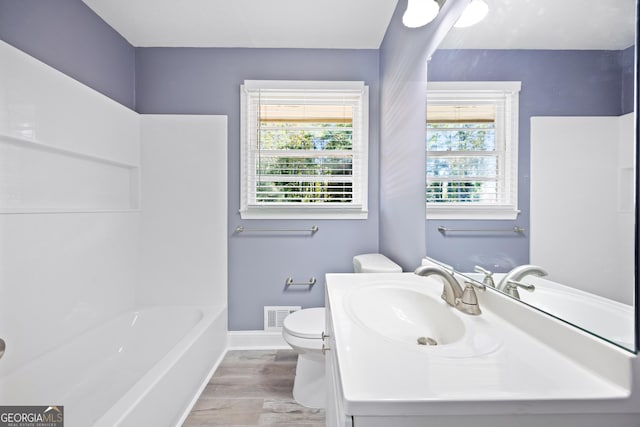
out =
column 303, row 329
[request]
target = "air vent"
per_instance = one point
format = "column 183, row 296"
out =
column 274, row 316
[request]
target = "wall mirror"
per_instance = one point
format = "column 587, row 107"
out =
column 576, row 154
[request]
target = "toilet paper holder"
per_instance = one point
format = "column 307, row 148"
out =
column 290, row 282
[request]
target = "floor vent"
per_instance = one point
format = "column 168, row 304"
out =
column 274, row 316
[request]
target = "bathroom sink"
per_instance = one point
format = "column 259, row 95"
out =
column 405, row 315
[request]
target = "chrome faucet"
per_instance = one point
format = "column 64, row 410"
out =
column 510, row 283
column 512, row 288
column 488, row 276
column 465, row 301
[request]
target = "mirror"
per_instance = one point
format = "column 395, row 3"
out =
column 576, row 156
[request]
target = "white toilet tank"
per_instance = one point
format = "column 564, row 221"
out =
column 374, row 263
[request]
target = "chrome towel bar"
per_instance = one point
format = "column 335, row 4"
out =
column 312, row 230
column 516, row 229
column 290, row 282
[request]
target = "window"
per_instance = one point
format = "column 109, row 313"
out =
column 471, row 158
column 304, row 149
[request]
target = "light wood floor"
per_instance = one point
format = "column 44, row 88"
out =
column 253, row 388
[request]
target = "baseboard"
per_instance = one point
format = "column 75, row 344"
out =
column 256, row 340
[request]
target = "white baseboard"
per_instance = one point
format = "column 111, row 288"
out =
column 256, row 340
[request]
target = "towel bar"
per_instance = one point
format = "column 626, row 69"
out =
column 516, row 229
column 313, row 229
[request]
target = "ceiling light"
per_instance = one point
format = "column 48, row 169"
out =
column 474, row 13
column 420, row 12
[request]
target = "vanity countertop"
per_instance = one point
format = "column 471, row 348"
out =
column 494, row 362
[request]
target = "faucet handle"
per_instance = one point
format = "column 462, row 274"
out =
column 525, row 286
column 468, row 302
column 473, row 284
column 479, row 269
column 512, row 288
column 488, row 276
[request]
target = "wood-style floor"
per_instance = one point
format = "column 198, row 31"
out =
column 253, row 388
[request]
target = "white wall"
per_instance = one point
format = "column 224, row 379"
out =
column 184, row 210
column 68, row 258
column 582, row 202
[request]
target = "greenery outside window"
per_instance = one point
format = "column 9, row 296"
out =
column 471, row 150
column 304, row 149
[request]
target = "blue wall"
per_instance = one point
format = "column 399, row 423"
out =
column 404, row 52
column 628, row 79
column 554, row 83
column 70, row 37
column 207, row 81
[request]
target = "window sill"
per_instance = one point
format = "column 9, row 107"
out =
column 472, row 212
column 303, row 213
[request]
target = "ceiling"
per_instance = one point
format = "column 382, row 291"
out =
column 550, row 24
column 361, row 24
column 339, row 24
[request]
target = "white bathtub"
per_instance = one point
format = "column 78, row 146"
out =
column 142, row 368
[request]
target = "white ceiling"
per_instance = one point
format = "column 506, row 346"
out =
column 550, row 24
column 340, row 24
column 361, row 24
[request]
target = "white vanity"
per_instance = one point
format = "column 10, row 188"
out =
column 509, row 364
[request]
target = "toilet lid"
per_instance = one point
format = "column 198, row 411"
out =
column 307, row 323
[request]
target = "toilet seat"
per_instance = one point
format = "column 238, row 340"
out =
column 307, row 323
column 305, row 346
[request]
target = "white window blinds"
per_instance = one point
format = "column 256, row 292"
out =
column 304, row 149
column 471, row 158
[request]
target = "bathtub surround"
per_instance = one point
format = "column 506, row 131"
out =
column 183, row 256
column 554, row 144
column 74, row 270
column 75, row 261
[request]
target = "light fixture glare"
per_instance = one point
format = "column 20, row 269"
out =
column 420, row 12
column 473, row 13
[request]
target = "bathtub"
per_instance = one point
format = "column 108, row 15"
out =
column 142, row 368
